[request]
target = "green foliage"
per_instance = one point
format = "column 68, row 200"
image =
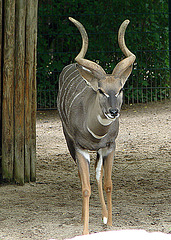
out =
column 147, row 37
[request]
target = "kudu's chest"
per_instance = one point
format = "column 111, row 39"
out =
column 77, row 110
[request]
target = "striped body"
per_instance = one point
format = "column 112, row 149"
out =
column 75, row 101
column 71, row 86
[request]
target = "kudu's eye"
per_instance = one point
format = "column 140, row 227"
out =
column 119, row 92
column 102, row 92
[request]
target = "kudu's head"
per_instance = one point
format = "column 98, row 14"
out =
column 107, row 86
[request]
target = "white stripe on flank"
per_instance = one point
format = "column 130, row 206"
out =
column 72, row 86
column 67, row 71
column 94, row 135
column 71, row 97
column 71, row 74
column 64, row 97
column 77, row 87
column 65, row 79
column 61, row 83
column 104, row 121
column 74, row 100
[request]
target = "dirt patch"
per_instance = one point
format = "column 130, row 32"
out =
column 51, row 207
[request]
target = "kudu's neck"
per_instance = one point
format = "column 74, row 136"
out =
column 97, row 123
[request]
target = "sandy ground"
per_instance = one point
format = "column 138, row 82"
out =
column 51, row 207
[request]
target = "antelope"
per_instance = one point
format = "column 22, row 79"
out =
column 89, row 103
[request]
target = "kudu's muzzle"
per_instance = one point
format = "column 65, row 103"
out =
column 113, row 112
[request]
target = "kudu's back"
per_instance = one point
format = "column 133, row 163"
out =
column 71, row 94
column 72, row 97
column 71, row 86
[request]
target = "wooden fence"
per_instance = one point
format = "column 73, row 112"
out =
column 18, row 42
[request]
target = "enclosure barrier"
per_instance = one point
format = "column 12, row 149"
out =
column 18, row 41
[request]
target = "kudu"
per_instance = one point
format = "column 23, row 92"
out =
column 89, row 103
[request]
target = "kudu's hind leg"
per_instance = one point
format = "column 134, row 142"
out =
column 83, row 168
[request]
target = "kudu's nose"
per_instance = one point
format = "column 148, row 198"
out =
column 114, row 112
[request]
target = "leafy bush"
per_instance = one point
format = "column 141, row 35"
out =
column 147, row 37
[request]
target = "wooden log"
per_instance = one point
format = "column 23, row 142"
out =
column 30, row 90
column 8, row 90
column 19, row 91
column 34, row 96
column 28, row 86
column 0, row 90
column 19, row 31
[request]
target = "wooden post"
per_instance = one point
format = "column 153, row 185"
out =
column 18, row 58
column 28, row 93
column 0, row 92
column 8, row 89
column 34, row 97
column 19, row 91
column 30, row 102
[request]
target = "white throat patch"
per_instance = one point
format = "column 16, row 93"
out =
column 104, row 121
column 94, row 135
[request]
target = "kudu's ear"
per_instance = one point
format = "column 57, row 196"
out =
column 123, row 69
column 90, row 75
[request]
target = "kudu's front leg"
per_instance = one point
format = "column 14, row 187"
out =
column 105, row 160
column 83, row 168
column 108, row 163
column 99, row 177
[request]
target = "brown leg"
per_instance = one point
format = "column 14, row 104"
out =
column 83, row 167
column 82, row 217
column 102, row 201
column 108, row 162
